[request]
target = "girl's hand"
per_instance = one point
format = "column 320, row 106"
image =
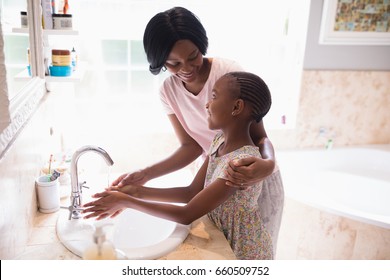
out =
column 108, row 203
column 247, row 171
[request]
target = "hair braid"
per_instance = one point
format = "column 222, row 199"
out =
column 254, row 90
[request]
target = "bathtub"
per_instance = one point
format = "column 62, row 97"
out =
column 352, row 182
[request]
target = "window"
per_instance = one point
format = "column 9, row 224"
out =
column 266, row 37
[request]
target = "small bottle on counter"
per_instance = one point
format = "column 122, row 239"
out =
column 29, row 62
column 74, row 58
column 23, row 19
column 102, row 249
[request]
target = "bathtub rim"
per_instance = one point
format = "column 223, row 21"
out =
column 333, row 207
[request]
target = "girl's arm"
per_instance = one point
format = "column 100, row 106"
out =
column 174, row 194
column 202, row 202
column 188, row 151
column 245, row 172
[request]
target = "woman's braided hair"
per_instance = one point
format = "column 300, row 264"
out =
column 254, row 90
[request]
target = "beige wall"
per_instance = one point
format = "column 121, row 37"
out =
column 18, row 169
column 353, row 107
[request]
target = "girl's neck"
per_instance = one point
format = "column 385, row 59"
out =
column 234, row 139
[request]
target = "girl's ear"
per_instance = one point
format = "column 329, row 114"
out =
column 238, row 107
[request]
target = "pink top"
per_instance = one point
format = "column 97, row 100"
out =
column 190, row 109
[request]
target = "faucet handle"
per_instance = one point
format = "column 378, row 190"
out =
column 82, row 185
column 73, row 211
column 69, row 208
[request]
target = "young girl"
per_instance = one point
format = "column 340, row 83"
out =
column 238, row 99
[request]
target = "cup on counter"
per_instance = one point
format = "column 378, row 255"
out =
column 48, row 194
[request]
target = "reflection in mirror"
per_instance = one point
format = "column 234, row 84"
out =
column 16, row 44
column 4, row 101
column 20, row 92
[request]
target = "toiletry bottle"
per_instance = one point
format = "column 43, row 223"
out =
column 102, row 249
column 73, row 54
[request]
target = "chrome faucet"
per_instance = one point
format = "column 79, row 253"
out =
column 76, row 196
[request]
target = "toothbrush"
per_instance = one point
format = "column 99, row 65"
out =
column 50, row 160
column 53, row 6
column 66, row 7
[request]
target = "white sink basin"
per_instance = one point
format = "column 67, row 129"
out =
column 135, row 234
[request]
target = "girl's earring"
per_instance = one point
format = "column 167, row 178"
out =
column 164, row 68
column 233, row 113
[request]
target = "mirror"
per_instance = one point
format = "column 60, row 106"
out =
column 20, row 93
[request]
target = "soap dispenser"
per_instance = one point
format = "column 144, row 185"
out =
column 102, row 249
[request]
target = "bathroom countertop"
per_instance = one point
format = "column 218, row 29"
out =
column 204, row 242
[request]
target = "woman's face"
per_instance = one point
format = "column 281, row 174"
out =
column 185, row 61
column 221, row 105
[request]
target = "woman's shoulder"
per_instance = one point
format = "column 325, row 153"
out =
column 170, row 82
column 221, row 66
column 170, row 86
column 226, row 63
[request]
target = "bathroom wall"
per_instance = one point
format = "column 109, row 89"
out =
column 18, row 169
column 349, row 107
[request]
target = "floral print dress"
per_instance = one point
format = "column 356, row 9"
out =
column 239, row 217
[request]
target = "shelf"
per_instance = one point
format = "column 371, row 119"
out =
column 76, row 76
column 59, row 32
column 47, row 31
column 23, row 76
column 19, row 30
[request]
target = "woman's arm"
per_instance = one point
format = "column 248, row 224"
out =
column 266, row 148
column 188, row 151
column 245, row 172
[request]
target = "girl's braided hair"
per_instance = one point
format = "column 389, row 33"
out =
column 254, row 90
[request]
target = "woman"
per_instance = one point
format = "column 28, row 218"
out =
column 175, row 40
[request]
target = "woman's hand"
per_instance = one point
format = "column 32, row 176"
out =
column 245, row 172
column 128, row 189
column 109, row 203
column 138, row 177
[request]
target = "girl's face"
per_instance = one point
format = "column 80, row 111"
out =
column 221, row 106
column 185, row 61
